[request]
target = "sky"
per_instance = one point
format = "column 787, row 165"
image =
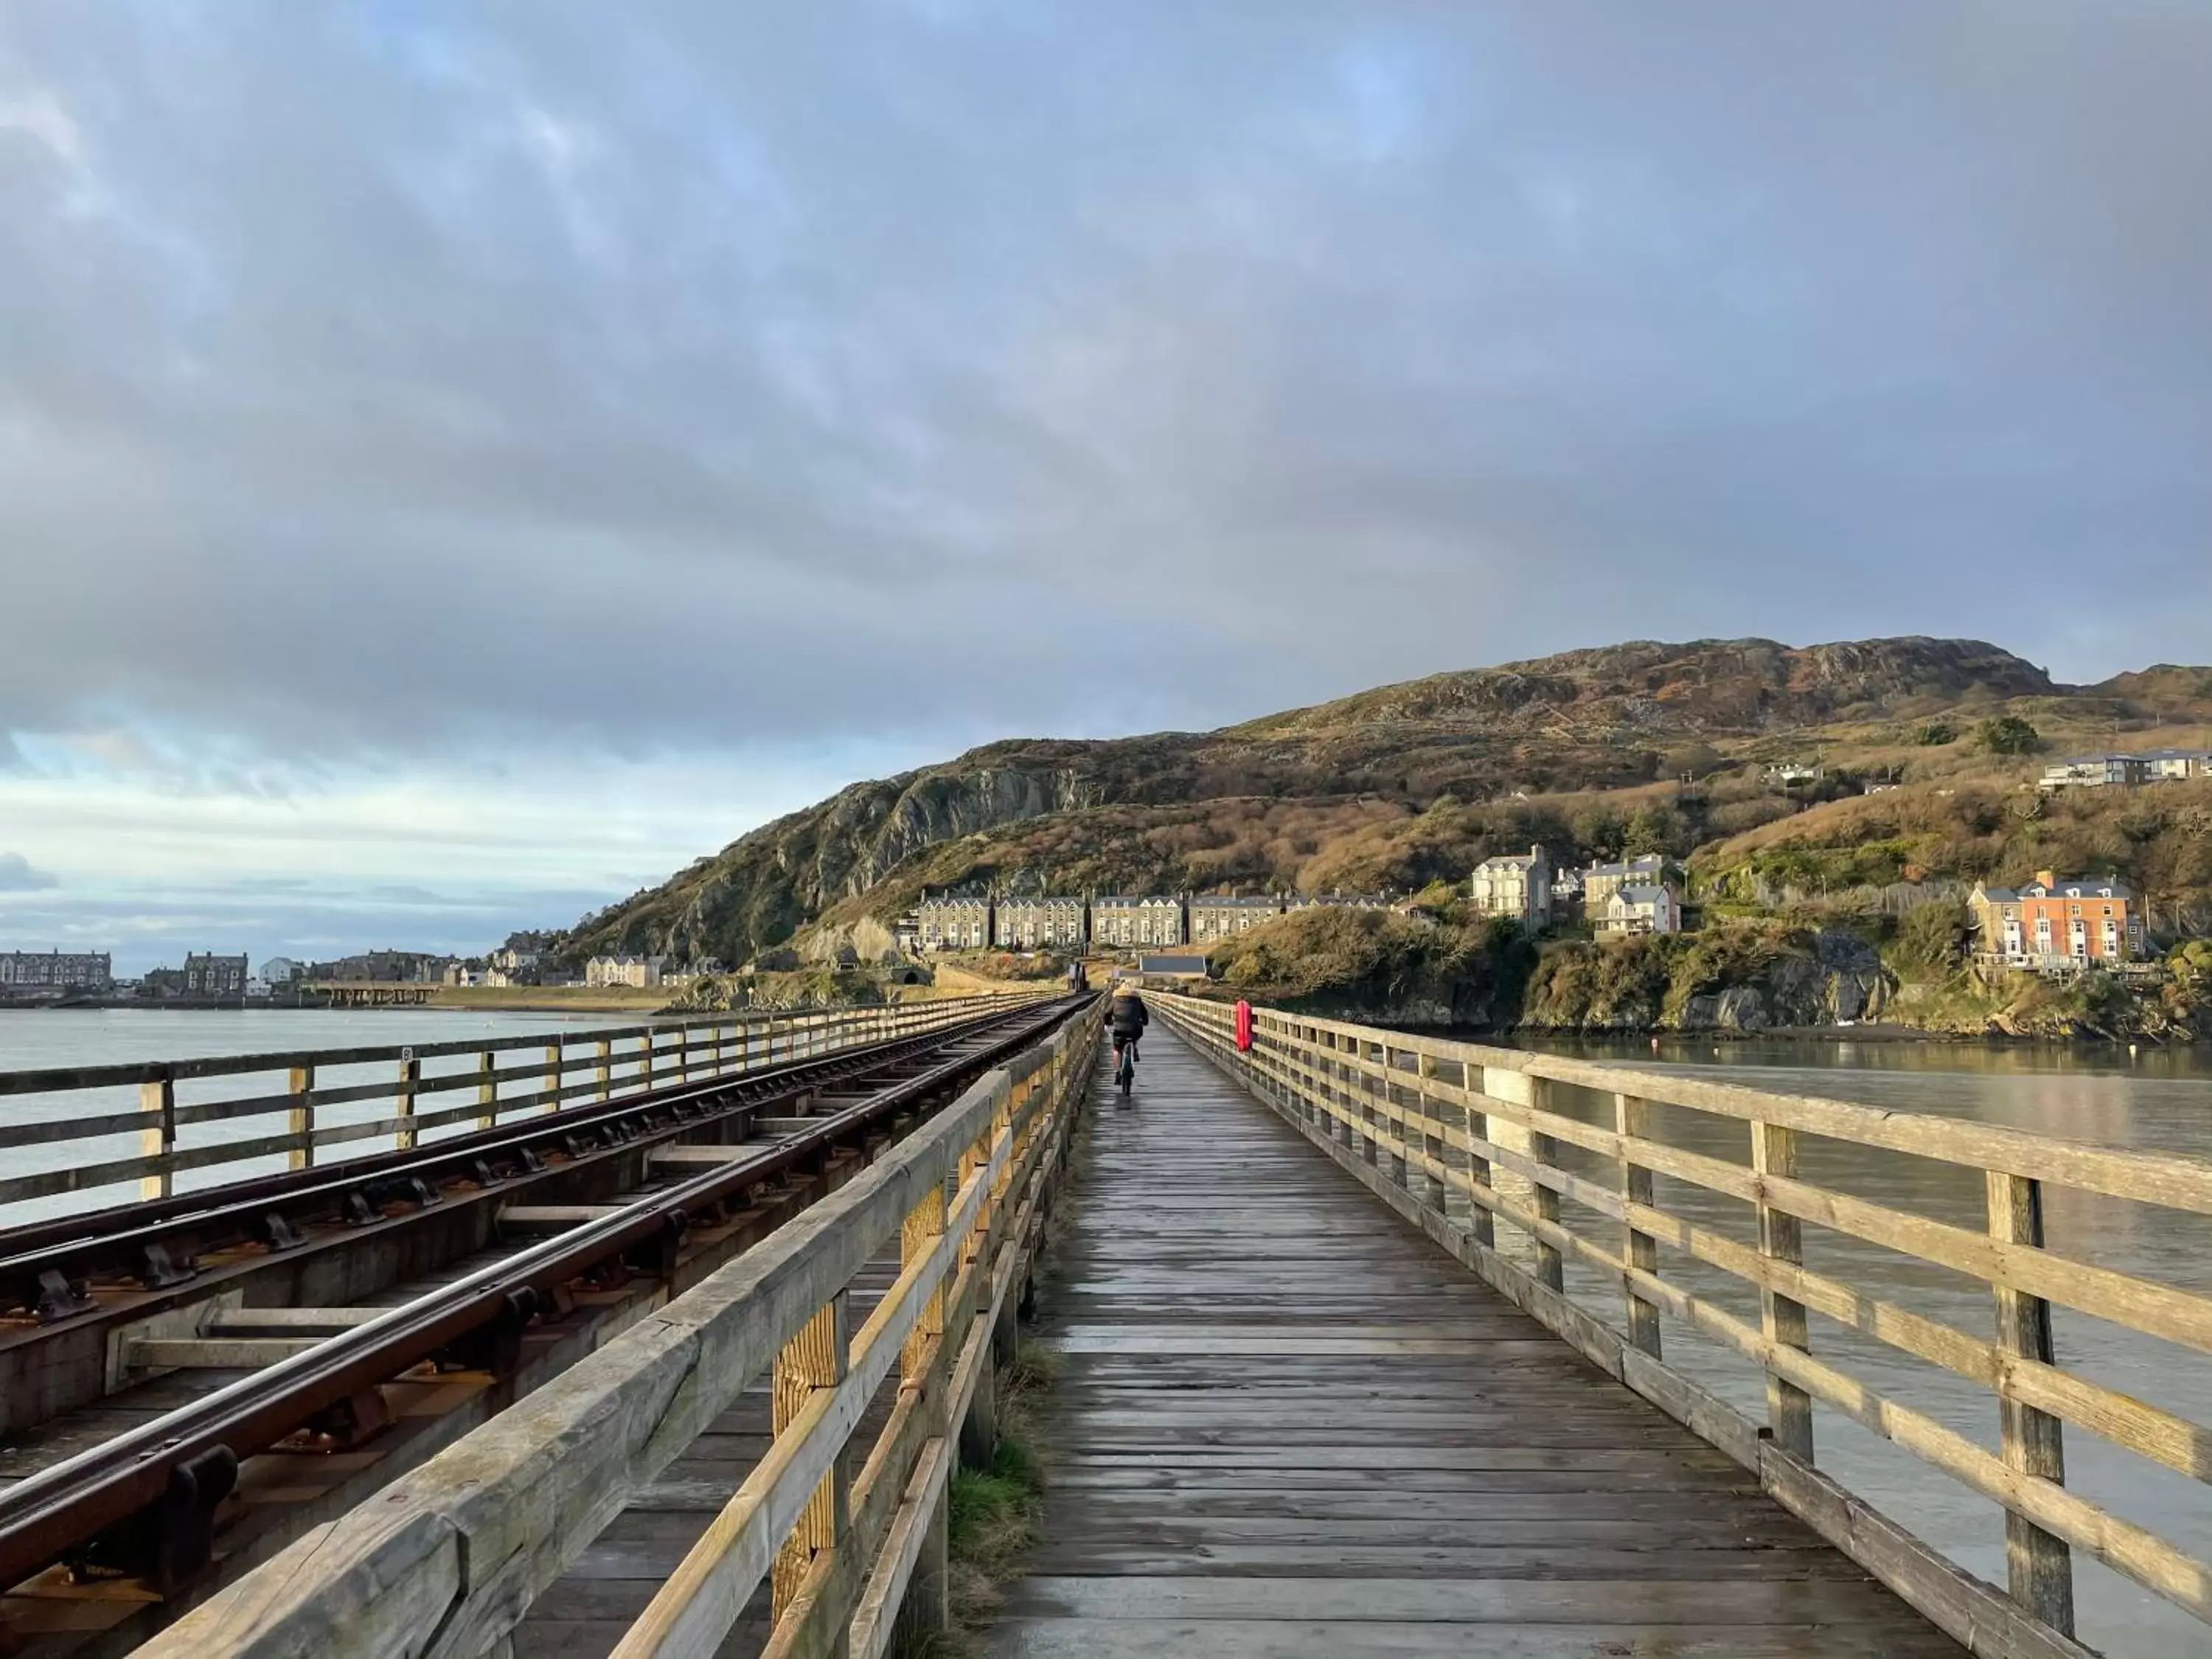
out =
column 460, row 463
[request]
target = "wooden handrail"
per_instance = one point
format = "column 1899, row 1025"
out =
column 691, row 1049
column 1418, row 1118
column 448, row 1559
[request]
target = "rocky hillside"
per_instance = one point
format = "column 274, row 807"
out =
column 1400, row 786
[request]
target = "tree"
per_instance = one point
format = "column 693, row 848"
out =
column 2008, row 734
column 1650, row 830
column 1933, row 936
column 1934, row 734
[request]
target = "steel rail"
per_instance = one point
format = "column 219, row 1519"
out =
column 45, row 1517
column 109, row 1244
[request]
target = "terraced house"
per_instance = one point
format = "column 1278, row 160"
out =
column 1038, row 924
column 1224, row 915
column 39, row 971
column 1125, row 922
column 953, row 922
column 2058, row 920
column 207, row 974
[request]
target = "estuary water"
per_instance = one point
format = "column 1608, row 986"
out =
column 2159, row 1100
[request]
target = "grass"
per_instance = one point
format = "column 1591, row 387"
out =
column 993, row 1514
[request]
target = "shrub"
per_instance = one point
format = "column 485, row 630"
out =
column 2008, row 734
column 1933, row 937
column 1934, row 734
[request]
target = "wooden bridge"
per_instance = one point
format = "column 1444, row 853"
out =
column 1288, row 1424
column 1364, row 1347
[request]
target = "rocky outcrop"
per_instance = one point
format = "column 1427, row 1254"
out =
column 1744, row 979
column 1840, row 981
column 758, row 890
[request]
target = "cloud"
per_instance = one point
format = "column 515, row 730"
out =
column 423, row 394
column 17, row 875
column 716, row 379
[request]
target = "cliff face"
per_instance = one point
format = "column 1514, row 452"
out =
column 760, row 888
column 1370, row 788
column 1753, row 979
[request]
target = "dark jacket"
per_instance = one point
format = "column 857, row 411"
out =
column 1128, row 1016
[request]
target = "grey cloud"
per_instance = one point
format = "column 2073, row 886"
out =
column 391, row 379
column 18, row 875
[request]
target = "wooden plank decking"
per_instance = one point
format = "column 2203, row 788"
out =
column 1288, row 1424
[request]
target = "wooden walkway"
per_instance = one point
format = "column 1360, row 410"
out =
column 1255, row 1451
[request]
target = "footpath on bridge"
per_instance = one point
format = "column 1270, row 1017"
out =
column 1255, row 1450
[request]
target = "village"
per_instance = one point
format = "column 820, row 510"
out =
column 1638, row 895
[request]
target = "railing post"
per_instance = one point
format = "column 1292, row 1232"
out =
column 1631, row 1117
column 1480, row 1220
column 157, row 1098
column 1782, row 1238
column 979, row 1430
column 1515, row 1087
column 300, row 1120
column 1433, row 1126
column 607, row 1068
column 2038, row 1565
column 645, row 1061
column 410, row 1080
column 1383, row 1090
column 1310, row 1069
column 488, row 1090
column 554, row 1072
column 683, row 1054
column 1006, row 1334
column 1551, row 1266
column 928, row 1604
column 815, row 1358
column 1364, row 1087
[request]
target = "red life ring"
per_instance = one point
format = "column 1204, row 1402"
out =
column 1244, row 1027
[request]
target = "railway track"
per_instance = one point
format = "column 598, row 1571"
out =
column 239, row 1402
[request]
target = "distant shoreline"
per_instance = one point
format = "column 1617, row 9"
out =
column 441, row 999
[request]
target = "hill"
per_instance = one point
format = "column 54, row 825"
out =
column 1634, row 747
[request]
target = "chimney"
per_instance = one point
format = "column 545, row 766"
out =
column 2048, row 878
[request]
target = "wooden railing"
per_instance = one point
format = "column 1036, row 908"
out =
column 351, row 1102
column 1425, row 1121
column 447, row 1561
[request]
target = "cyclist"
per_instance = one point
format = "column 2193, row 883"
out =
column 1127, row 1017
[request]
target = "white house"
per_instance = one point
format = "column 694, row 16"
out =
column 1640, row 910
column 638, row 973
column 1518, row 885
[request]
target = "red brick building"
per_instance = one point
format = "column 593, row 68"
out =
column 2086, row 918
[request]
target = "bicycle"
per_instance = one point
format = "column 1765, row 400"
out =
column 1125, row 1064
